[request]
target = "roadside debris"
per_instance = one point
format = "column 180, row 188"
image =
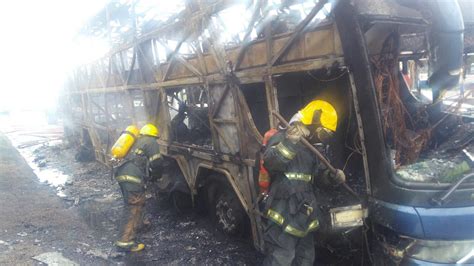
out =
column 97, row 253
column 22, row 234
column 54, row 259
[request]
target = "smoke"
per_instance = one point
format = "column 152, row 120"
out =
column 37, row 49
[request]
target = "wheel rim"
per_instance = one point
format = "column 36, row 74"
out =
column 226, row 216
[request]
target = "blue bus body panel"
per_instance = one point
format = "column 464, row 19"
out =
column 447, row 223
column 425, row 223
column 401, row 219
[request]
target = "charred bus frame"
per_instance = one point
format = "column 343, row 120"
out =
column 151, row 90
column 219, row 71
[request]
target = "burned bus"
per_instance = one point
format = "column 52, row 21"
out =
column 212, row 75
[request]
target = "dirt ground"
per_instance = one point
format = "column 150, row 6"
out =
column 34, row 220
column 59, row 204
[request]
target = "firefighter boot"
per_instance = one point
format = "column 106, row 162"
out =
column 131, row 246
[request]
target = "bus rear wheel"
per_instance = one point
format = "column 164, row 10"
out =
column 228, row 213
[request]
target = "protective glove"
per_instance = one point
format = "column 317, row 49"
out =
column 296, row 131
column 338, row 178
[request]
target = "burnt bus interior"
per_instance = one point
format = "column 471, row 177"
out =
column 418, row 138
column 194, row 127
column 294, row 91
column 416, row 66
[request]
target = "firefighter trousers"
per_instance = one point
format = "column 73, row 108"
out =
column 285, row 249
column 132, row 215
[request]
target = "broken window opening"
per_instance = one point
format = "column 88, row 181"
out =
column 154, row 51
column 129, row 59
column 429, row 142
column 96, row 107
column 160, row 51
column 152, row 105
column 138, row 106
column 186, row 50
column 256, row 99
column 115, row 107
column 189, row 112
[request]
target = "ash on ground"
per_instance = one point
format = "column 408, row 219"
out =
column 173, row 239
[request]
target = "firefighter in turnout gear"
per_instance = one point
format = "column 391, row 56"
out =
column 291, row 206
column 143, row 163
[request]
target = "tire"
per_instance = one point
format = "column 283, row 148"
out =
column 228, row 212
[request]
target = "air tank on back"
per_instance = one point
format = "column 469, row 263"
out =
column 124, row 142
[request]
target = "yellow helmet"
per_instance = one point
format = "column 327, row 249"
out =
column 149, row 130
column 328, row 114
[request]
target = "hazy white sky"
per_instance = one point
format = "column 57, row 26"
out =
column 36, row 48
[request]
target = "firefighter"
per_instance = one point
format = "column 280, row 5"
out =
column 143, row 163
column 291, row 203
